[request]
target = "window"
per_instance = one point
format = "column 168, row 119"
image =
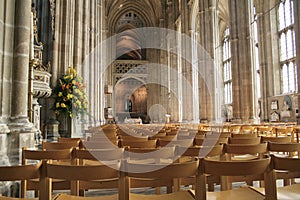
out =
column 287, row 44
column 227, row 77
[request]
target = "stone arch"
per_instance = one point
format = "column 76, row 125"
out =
column 134, row 90
column 115, row 13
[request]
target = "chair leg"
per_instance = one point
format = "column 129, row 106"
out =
column 169, row 189
column 157, row 190
column 211, row 187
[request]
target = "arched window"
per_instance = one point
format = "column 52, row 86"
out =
column 287, row 48
column 227, row 76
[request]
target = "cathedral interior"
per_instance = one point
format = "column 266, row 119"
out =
column 143, row 62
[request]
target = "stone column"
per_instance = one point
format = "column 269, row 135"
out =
column 207, row 39
column 187, row 91
column 268, row 47
column 51, row 128
column 85, row 47
column 6, row 52
column 22, row 131
column 242, row 65
column 78, row 35
column 91, row 65
column 297, row 32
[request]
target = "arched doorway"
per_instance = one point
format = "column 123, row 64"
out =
column 130, row 99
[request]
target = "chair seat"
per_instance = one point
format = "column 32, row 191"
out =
column 71, row 197
column 286, row 192
column 181, row 195
column 12, row 198
column 244, row 157
column 243, row 193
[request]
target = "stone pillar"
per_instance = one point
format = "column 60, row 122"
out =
column 22, row 131
column 242, row 65
column 85, row 48
column 91, row 62
column 268, row 47
column 207, row 38
column 51, row 129
column 297, row 32
column 78, row 35
column 187, row 87
column 6, row 52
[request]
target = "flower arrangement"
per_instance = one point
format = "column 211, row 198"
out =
column 71, row 99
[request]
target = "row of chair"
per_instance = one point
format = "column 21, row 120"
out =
column 123, row 172
column 231, row 150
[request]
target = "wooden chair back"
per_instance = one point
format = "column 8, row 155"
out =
column 285, row 139
column 139, row 143
column 105, row 144
column 289, row 149
column 76, row 173
column 228, row 168
column 249, row 151
column 29, row 155
column 64, row 139
column 250, row 140
column 184, row 143
column 130, row 138
column 20, row 173
column 156, row 154
column 291, row 167
column 243, row 135
column 59, row 145
column 218, row 135
column 163, row 174
column 209, row 141
column 98, row 155
column 200, row 151
column 245, row 148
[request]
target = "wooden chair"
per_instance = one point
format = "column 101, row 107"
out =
column 19, row 173
column 240, row 152
column 284, row 150
column 29, row 155
column 59, row 145
column 285, row 139
column 235, row 128
column 139, row 144
column 230, row 168
column 166, row 155
column 245, row 151
column 292, row 166
column 161, row 172
column 134, row 138
column 64, row 139
column 265, row 130
column 218, row 134
column 243, row 135
column 104, row 144
column 75, row 173
column 248, row 129
column 289, row 149
column 201, row 152
column 85, row 157
column 185, row 142
column 209, row 141
column 246, row 140
column 284, row 131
